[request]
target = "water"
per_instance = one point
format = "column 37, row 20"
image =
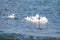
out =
column 23, row 8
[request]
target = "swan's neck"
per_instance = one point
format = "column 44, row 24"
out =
column 13, row 14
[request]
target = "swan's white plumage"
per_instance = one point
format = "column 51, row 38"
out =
column 37, row 19
column 43, row 20
column 11, row 16
column 28, row 18
column 37, row 16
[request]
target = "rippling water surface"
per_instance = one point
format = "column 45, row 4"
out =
column 23, row 8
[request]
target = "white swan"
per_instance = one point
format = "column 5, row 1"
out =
column 11, row 16
column 37, row 19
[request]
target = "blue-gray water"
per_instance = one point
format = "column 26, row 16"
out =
column 23, row 8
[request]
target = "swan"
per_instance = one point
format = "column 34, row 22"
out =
column 37, row 19
column 11, row 16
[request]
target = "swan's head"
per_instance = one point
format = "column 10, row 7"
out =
column 37, row 15
column 13, row 14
